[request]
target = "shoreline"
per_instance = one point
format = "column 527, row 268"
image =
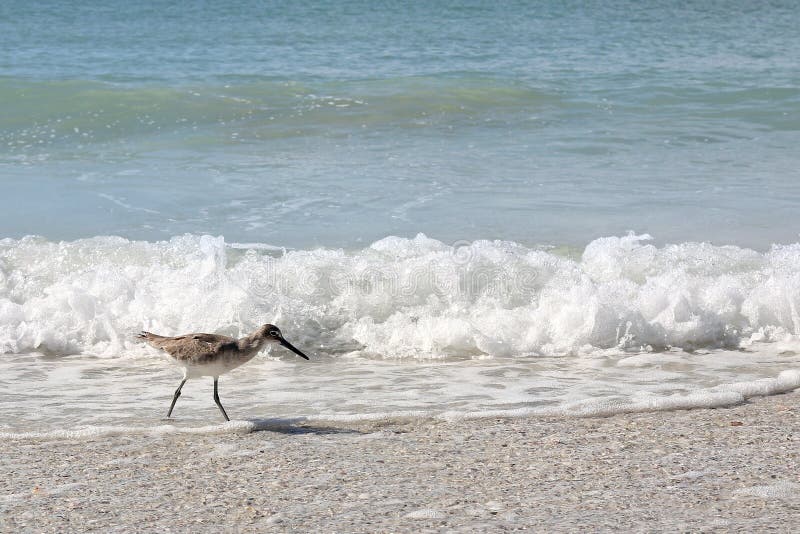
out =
column 734, row 468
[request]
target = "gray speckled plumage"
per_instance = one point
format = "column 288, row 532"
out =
column 198, row 349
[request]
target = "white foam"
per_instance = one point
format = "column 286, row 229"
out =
column 258, row 246
column 335, row 411
column 786, row 381
column 400, row 297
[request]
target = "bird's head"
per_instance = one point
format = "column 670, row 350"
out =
column 272, row 334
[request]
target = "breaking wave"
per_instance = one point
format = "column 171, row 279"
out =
column 399, row 297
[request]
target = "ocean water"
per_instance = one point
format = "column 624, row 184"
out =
column 459, row 209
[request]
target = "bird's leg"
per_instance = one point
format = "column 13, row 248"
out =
column 216, row 399
column 175, row 398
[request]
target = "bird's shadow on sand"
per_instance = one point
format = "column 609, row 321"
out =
column 296, row 426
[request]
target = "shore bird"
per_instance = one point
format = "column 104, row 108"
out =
column 214, row 355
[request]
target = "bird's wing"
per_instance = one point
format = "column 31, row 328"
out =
column 189, row 346
column 211, row 338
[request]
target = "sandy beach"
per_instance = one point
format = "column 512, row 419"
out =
column 735, row 469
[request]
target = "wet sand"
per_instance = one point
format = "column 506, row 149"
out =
column 732, row 469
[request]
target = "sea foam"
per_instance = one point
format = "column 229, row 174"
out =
column 400, row 297
column 723, row 395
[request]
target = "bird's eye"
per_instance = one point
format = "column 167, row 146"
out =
column 273, row 333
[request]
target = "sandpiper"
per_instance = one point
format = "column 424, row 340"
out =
column 214, row 355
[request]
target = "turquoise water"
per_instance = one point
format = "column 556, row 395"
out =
column 307, row 124
column 432, row 199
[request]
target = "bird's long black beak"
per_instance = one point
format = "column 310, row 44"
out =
column 292, row 348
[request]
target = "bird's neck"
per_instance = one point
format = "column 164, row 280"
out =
column 250, row 344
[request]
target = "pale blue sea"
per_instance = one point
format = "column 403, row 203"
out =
column 461, row 207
